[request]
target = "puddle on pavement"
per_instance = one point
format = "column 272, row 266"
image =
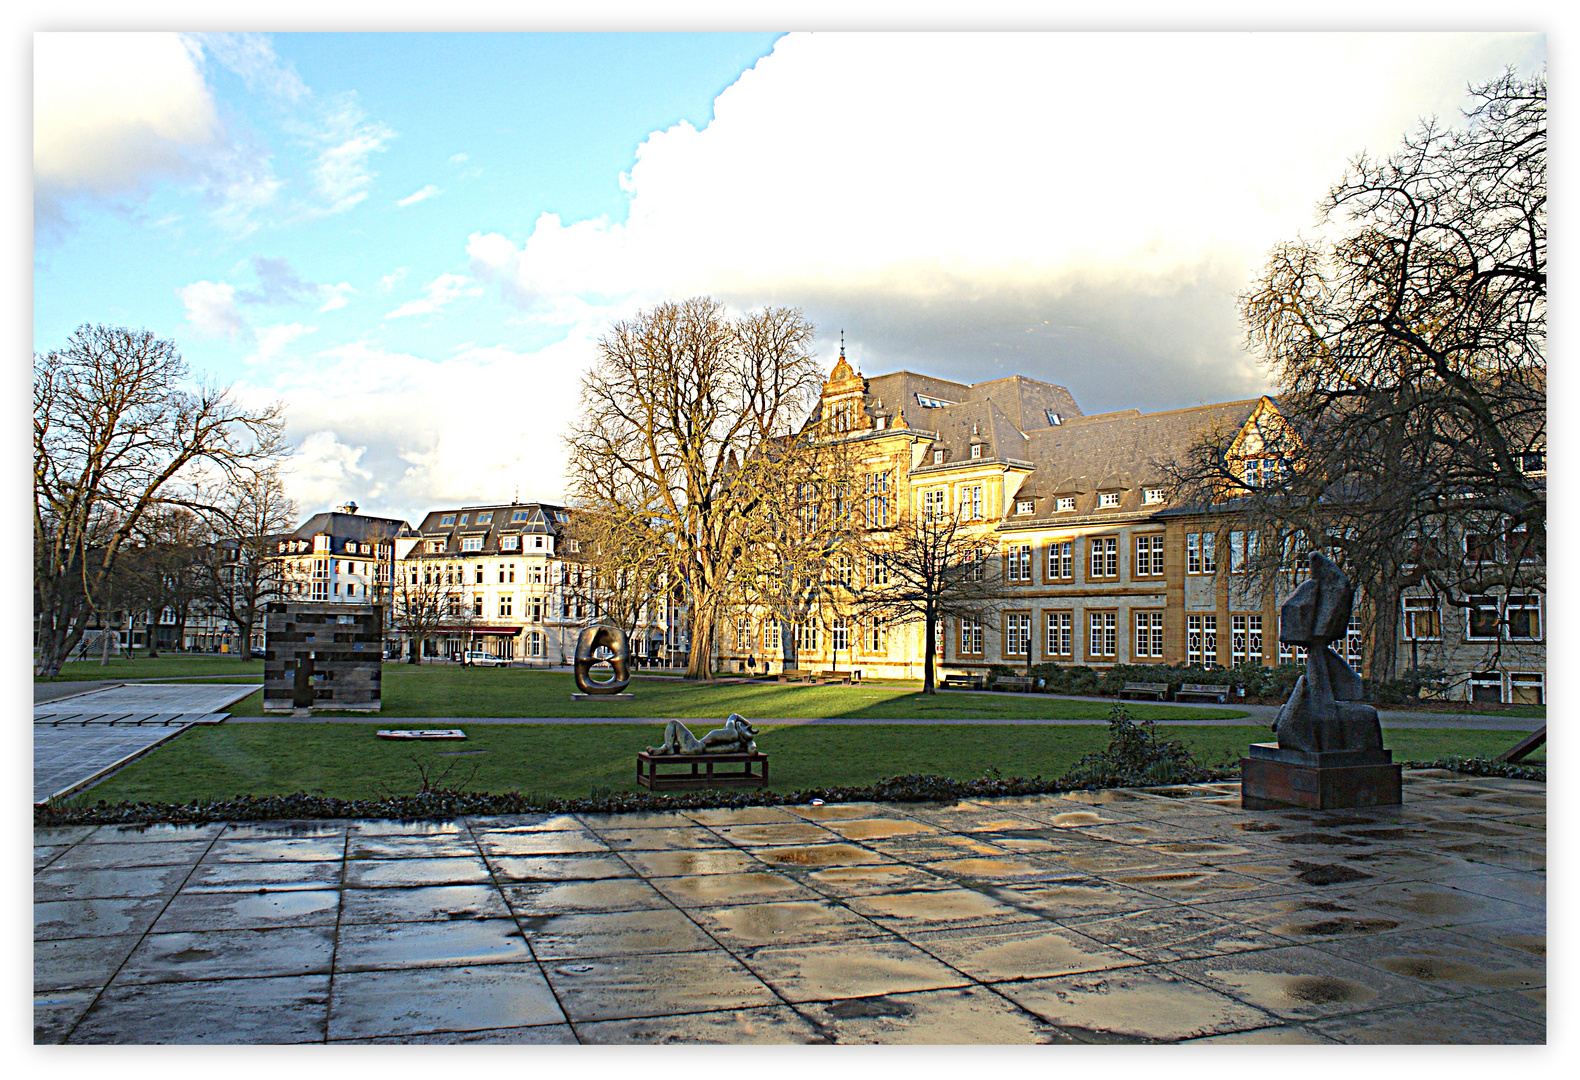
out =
column 1432, row 969
column 1257, row 826
column 1335, row 927
column 1324, row 839
column 1436, row 903
column 880, row 829
column 817, row 855
column 1277, row 989
column 1077, row 818
column 1098, row 798
column 188, row 955
column 951, row 905
column 708, row 887
column 1382, row 834
column 1202, row 847
column 991, row 868
column 869, row 1008
column 1326, row 873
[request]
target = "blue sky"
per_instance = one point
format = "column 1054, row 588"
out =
column 414, row 240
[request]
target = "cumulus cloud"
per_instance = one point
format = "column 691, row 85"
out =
column 211, row 310
column 113, row 112
column 442, row 291
column 947, row 199
column 335, row 297
column 427, row 191
column 343, row 138
column 324, row 472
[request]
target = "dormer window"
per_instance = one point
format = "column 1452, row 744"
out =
column 435, row 546
column 1054, row 419
column 520, row 515
column 509, row 543
column 463, row 518
column 928, row 402
column 938, row 457
column 976, row 451
column 1264, row 471
column 484, row 519
column 1108, row 499
column 471, row 543
column 448, row 519
column 1152, row 495
column 880, row 422
column 1023, row 506
column 1066, row 502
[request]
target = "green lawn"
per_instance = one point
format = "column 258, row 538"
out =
column 348, row 761
column 461, row 692
column 164, row 666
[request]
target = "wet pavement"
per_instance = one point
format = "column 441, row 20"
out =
column 1118, row 916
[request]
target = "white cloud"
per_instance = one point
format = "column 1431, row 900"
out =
column 344, row 139
column 427, row 191
column 274, row 340
column 458, row 159
column 324, row 472
column 335, row 296
column 393, row 278
column 1126, row 184
column 211, row 309
column 112, row 112
column 252, row 57
column 442, row 291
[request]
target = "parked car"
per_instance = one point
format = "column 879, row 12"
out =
column 259, row 654
column 483, row 659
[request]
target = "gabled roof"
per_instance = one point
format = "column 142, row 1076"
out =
column 361, row 527
column 542, row 519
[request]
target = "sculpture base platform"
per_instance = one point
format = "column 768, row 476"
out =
column 584, row 697
column 1274, row 779
column 702, row 774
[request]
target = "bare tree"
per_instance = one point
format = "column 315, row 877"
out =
column 687, row 418
column 163, row 570
column 610, row 579
column 421, row 604
column 928, row 568
column 116, row 421
column 247, row 564
column 1409, row 343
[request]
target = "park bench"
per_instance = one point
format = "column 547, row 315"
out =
column 701, row 773
column 1013, row 682
column 1202, row 690
column 795, row 675
column 962, row 681
column 1158, row 691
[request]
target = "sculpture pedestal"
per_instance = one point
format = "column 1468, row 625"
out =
column 1272, row 779
column 585, row 697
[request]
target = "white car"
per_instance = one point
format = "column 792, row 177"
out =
column 483, row 659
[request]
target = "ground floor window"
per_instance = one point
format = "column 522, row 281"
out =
column 1201, row 639
column 970, row 637
column 1486, row 686
column 534, row 643
column 806, row 637
column 1017, row 634
column 1104, row 640
column 1061, row 633
column 1527, row 688
column 1149, row 633
column 841, row 635
column 878, row 637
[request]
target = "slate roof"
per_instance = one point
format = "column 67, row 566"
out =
column 540, row 519
column 360, row 527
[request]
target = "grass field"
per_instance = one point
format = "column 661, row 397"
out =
column 462, row 692
column 166, row 666
column 348, row 761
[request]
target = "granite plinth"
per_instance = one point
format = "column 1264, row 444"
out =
column 1271, row 778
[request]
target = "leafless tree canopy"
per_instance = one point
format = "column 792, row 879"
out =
column 1409, row 345
column 687, row 418
column 116, row 420
column 243, row 570
column 926, row 569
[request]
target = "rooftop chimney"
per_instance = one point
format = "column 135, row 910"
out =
column 349, row 508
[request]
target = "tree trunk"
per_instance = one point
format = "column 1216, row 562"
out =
column 104, row 646
column 245, row 649
column 699, row 664
column 929, row 644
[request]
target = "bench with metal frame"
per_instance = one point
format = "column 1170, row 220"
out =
column 702, row 773
column 962, row 681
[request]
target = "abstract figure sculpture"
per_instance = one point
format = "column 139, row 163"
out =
column 1323, row 713
column 610, row 640
column 735, row 737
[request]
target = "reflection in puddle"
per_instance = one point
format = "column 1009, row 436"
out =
column 1277, row 989
column 1432, row 968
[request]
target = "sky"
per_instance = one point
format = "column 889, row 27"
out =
column 414, row 241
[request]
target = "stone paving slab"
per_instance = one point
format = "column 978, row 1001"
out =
column 1092, row 917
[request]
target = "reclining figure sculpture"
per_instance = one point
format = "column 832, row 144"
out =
column 735, row 737
column 1323, row 713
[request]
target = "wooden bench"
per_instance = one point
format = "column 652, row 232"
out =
column 1013, row 682
column 795, row 675
column 956, row 681
column 1158, row 691
column 1204, row 690
column 701, row 774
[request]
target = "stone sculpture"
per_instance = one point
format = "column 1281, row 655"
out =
column 612, row 641
column 735, row 737
column 1323, row 714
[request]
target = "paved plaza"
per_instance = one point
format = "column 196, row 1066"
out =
column 1115, row 916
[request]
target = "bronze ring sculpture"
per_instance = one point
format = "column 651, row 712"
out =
column 610, row 639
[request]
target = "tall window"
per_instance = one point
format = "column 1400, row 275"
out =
column 1149, row 633
column 1061, row 633
column 933, row 505
column 877, row 569
column 877, row 499
column 1019, row 562
column 971, row 637
column 1193, row 553
column 1105, row 556
column 1104, row 639
column 1524, row 618
column 1420, row 622
column 477, row 606
column 877, row 637
column 1017, row 634
column 1253, row 639
column 505, row 603
column 971, row 502
column 771, row 635
column 1237, row 639
column 1201, row 639
column 841, row 640
column 807, row 637
column 743, row 633
column 1149, row 555
column 477, row 574
column 1061, row 563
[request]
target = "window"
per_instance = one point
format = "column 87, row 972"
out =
column 1480, row 548
column 1023, row 506
column 1352, row 639
column 1253, row 639
column 938, row 457
column 507, row 572
column 1421, row 621
column 806, row 637
column 320, row 590
column 1483, row 618
column 1524, row 544
column 976, row 451
column 576, row 545
column 505, row 605
column 435, row 547
column 477, row 574
column 1061, row 563
column 1149, row 633
column 1104, row 640
column 1524, row 618
column 448, row 519
column 877, row 637
column 743, row 633
column 471, row 543
column 1105, row 556
column 1066, row 502
column 1237, row 633
column 1264, row 471
column 1201, row 639
column 534, row 574
column 1486, row 686
column 1527, row 688
column 928, row 402
column 933, row 505
column 877, row 569
column 1199, row 557
column 534, row 609
column 1291, row 654
column 771, row 635
column 843, row 569
column 1149, row 555
column 878, row 499
column 1152, row 495
column 1533, row 461
column 1061, row 633
column 521, row 515
column 1209, row 563
column 841, row 635
column 477, row 605
column 970, row 637
column 534, row 643
column 484, row 519
column 1108, row 498
column 510, row 543
column 1019, row 563
column 1017, row 634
